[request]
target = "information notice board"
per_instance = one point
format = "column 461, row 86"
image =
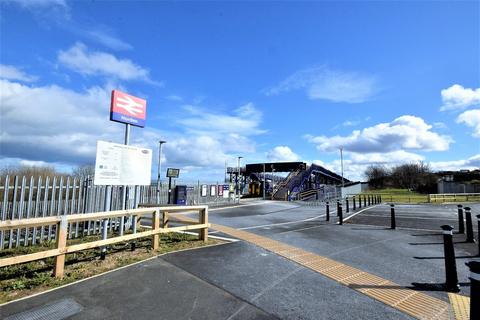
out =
column 118, row 164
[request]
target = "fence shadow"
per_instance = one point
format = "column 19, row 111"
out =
column 433, row 258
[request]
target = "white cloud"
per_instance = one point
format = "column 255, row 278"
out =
column 322, row 83
column 457, row 97
column 440, row 125
column 244, row 121
column 472, row 119
column 350, row 123
column 60, row 126
column 13, row 73
column 51, row 123
column 108, row 40
column 39, row 3
column 455, row 165
column 355, row 164
column 394, row 157
column 174, row 97
column 282, row 154
column 405, row 132
column 83, row 61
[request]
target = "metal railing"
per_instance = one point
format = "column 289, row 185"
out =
column 28, row 197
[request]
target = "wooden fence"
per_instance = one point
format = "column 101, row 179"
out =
column 453, row 197
column 160, row 224
column 24, row 197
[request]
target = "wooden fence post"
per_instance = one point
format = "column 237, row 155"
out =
column 165, row 219
column 203, row 233
column 61, row 244
column 155, row 227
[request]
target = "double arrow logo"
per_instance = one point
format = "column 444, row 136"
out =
column 129, row 105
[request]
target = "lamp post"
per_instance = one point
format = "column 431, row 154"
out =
column 238, row 178
column 265, row 182
column 159, row 185
column 341, row 161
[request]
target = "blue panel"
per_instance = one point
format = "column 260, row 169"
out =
column 118, row 117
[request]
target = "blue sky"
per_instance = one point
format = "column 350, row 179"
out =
column 389, row 82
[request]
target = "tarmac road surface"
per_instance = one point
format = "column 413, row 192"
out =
column 242, row 281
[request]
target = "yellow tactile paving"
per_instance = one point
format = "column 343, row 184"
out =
column 460, row 305
column 414, row 303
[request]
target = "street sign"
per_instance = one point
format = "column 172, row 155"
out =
column 225, row 191
column 204, row 190
column 173, row 173
column 118, row 164
column 128, row 109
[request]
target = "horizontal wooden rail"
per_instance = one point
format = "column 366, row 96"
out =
column 62, row 223
column 443, row 197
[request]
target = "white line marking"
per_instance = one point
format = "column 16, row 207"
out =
column 284, row 223
column 409, row 217
column 210, row 236
column 401, row 228
column 238, row 206
column 365, row 209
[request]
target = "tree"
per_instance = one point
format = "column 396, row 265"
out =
column 377, row 176
column 83, row 171
column 29, row 171
column 415, row 176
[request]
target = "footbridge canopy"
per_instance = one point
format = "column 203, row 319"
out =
column 274, row 167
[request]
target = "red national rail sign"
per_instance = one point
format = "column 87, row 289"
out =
column 128, row 109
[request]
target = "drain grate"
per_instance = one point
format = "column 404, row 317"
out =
column 57, row 310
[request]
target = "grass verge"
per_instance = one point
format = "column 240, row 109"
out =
column 25, row 279
column 400, row 195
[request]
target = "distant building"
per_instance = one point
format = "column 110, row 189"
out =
column 463, row 181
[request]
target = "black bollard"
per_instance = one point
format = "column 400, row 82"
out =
column 359, row 202
column 380, row 198
column 346, row 204
column 393, row 225
column 338, row 207
column 468, row 222
column 461, row 224
column 478, row 234
column 369, row 200
column 328, row 211
column 354, row 203
column 340, row 215
column 364, row 201
column 451, row 283
column 474, row 289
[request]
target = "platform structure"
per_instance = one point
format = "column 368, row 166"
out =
column 266, row 179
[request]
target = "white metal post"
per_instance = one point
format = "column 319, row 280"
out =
column 159, row 183
column 238, row 178
column 264, row 181
column 124, row 191
column 341, row 161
